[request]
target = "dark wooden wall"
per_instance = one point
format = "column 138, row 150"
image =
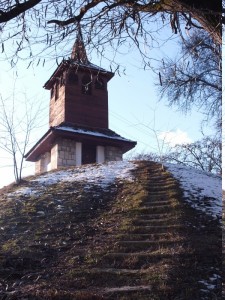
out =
column 73, row 106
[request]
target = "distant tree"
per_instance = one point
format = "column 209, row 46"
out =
column 194, row 78
column 151, row 156
column 205, row 154
column 51, row 22
column 16, row 132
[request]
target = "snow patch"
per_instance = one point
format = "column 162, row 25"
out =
column 101, row 174
column 26, row 192
column 202, row 190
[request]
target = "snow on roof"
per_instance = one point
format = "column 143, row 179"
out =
column 202, row 190
column 94, row 133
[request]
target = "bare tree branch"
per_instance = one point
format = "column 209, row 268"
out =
column 194, row 78
column 16, row 10
column 50, row 22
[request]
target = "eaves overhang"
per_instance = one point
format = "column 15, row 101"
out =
column 49, row 138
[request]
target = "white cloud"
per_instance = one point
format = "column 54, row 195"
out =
column 174, row 138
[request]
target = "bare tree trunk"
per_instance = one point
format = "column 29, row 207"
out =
column 209, row 14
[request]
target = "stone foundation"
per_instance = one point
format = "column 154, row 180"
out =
column 68, row 153
column 113, row 153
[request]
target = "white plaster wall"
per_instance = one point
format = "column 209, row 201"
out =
column 78, row 154
column 43, row 164
column 47, row 162
column 54, row 157
column 100, row 154
column 38, row 166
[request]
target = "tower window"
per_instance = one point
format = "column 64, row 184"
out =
column 72, row 77
column 86, row 85
column 56, row 90
column 61, row 80
column 99, row 84
column 52, row 92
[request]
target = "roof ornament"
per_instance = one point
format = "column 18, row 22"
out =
column 79, row 54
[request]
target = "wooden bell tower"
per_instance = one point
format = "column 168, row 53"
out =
column 79, row 91
column 78, row 116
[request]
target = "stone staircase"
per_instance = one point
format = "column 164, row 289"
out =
column 137, row 267
column 150, row 255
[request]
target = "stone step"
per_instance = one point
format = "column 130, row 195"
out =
column 157, row 208
column 148, row 237
column 149, row 171
column 139, row 214
column 126, row 289
column 149, row 255
column 157, row 197
column 160, row 179
column 157, row 222
column 154, row 211
column 143, row 260
column 111, row 277
column 159, row 193
column 163, row 245
column 159, row 190
column 156, row 187
column 154, row 229
column 137, row 260
column 158, row 203
column 118, row 271
column 155, row 216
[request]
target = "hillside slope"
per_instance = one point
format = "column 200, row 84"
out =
column 113, row 231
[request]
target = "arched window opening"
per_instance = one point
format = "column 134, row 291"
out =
column 56, row 91
column 61, row 80
column 52, row 92
column 86, row 85
column 72, row 78
column 99, row 84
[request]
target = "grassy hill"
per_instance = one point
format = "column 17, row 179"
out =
column 125, row 236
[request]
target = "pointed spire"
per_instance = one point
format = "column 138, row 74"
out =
column 78, row 52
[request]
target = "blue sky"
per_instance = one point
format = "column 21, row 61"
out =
column 133, row 105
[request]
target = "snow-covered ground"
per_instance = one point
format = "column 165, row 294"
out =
column 101, row 174
column 202, row 190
